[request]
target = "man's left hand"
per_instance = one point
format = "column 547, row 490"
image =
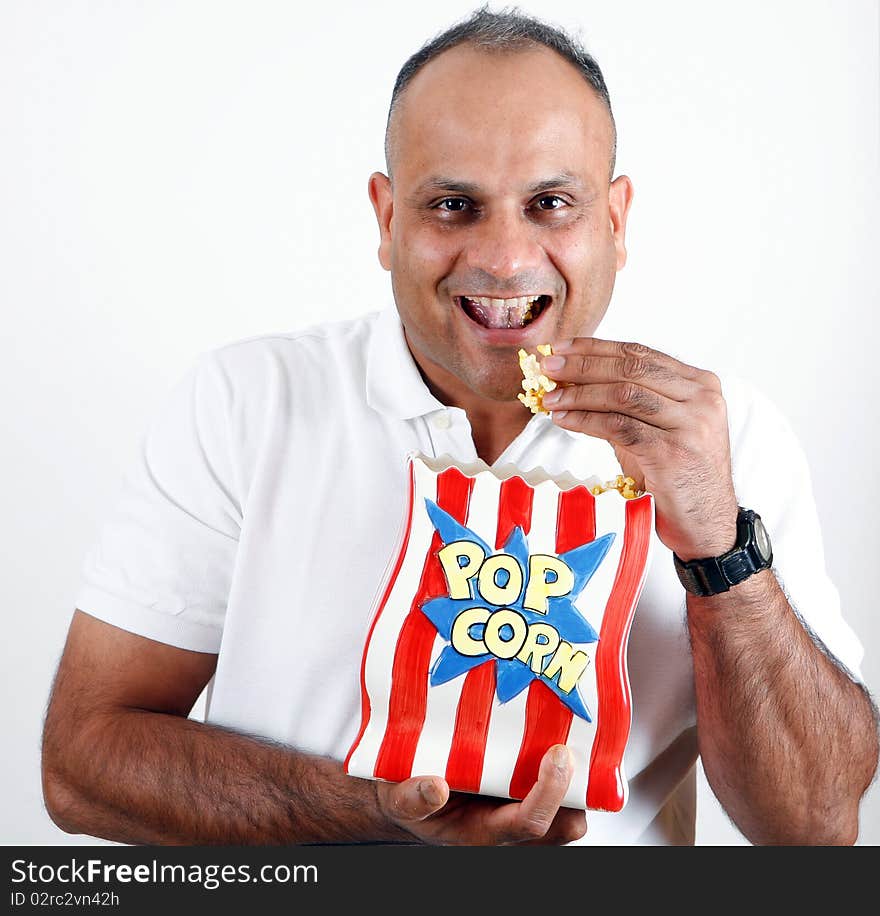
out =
column 667, row 422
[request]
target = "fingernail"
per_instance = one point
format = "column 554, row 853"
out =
column 559, row 414
column 552, row 396
column 430, row 792
column 553, row 363
column 562, row 345
column 560, row 758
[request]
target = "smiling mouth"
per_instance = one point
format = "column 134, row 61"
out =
column 503, row 313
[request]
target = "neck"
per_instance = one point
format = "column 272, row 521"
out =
column 494, row 424
column 493, row 428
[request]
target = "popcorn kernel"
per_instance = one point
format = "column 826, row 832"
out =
column 534, row 382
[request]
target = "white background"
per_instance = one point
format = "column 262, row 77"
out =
column 177, row 175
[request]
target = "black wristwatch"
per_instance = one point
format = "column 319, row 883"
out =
column 750, row 554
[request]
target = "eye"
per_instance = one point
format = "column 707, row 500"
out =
column 550, row 202
column 454, row 204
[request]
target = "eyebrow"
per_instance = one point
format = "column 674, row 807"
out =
column 443, row 183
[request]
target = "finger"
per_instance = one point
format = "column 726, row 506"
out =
column 589, row 359
column 596, row 346
column 414, row 799
column 626, row 398
column 532, row 818
column 616, row 428
column 568, row 826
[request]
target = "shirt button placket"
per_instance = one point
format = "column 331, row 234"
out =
column 451, row 436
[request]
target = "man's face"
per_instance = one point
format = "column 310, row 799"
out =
column 500, row 229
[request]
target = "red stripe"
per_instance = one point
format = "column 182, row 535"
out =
column 548, row 719
column 365, row 699
column 464, row 767
column 575, row 519
column 412, row 655
column 605, row 789
column 514, row 508
column 547, row 723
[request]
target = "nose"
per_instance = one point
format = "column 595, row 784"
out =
column 503, row 244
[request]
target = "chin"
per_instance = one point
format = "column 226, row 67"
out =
column 498, row 388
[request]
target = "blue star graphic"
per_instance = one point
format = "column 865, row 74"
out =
column 514, row 675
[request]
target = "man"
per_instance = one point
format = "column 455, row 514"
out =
column 251, row 536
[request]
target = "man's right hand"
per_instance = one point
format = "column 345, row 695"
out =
column 425, row 807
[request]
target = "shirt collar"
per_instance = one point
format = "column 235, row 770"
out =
column 394, row 384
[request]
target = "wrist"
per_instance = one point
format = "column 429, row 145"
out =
column 709, row 529
column 711, row 543
column 715, row 573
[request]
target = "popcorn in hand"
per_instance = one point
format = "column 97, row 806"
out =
column 535, row 384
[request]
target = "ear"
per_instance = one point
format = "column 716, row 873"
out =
column 620, row 196
column 383, row 205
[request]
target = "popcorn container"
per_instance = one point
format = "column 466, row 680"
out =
column 501, row 629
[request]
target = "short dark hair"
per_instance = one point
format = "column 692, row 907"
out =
column 504, row 31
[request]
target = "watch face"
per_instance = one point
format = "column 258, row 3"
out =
column 762, row 540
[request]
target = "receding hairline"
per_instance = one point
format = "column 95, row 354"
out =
column 519, row 45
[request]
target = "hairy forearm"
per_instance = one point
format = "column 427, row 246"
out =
column 147, row 778
column 788, row 740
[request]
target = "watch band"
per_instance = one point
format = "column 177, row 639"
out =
column 713, row 575
column 701, row 577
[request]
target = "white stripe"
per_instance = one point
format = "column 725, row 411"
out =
column 610, row 508
column 380, row 656
column 483, row 511
column 435, row 740
column 505, row 736
column 542, row 531
column 502, row 745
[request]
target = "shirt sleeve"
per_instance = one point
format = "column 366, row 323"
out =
column 772, row 476
column 162, row 564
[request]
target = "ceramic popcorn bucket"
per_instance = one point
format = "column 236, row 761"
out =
column 501, row 629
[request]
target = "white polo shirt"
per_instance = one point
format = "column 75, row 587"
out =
column 264, row 505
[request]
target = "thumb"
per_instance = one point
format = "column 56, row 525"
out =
column 415, row 799
column 629, row 465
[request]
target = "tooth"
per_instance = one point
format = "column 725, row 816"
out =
column 498, row 303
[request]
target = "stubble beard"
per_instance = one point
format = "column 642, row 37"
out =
column 447, row 370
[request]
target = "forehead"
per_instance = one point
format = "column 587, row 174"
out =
column 499, row 113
